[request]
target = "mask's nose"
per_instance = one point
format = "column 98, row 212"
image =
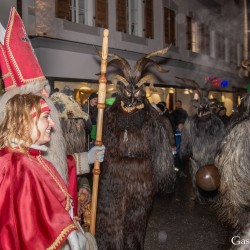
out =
column 131, row 103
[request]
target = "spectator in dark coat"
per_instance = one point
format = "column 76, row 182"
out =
column 222, row 114
column 179, row 115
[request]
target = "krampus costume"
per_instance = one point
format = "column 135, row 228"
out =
column 232, row 161
column 201, row 136
column 138, row 162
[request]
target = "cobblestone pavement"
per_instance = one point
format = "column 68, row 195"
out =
column 177, row 222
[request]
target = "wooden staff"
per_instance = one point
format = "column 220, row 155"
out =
column 98, row 142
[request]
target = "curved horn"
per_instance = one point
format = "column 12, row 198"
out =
column 142, row 63
column 246, row 64
column 192, row 82
column 147, row 79
column 125, row 67
column 118, row 78
column 160, row 52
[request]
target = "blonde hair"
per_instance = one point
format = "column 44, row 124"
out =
column 17, row 122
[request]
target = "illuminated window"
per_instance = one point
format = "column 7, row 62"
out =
column 194, row 29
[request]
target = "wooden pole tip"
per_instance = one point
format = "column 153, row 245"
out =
column 106, row 32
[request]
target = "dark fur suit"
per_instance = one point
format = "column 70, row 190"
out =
column 200, row 139
column 138, row 163
column 201, row 136
column 243, row 238
column 233, row 161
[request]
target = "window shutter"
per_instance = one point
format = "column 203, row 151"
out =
column 172, row 27
column 169, row 26
column 101, row 13
column 220, row 46
column 149, row 19
column 232, row 49
column 189, row 33
column 19, row 7
column 207, row 41
column 166, row 25
column 202, row 38
column 121, row 16
column 63, row 9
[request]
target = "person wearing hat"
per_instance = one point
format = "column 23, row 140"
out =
column 22, row 74
column 35, row 206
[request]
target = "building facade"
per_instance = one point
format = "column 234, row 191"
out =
column 207, row 40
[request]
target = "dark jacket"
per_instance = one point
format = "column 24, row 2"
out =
column 179, row 116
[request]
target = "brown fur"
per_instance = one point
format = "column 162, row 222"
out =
column 74, row 133
column 233, row 163
column 132, row 173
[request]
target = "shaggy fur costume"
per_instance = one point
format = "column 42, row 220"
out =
column 232, row 161
column 241, row 239
column 138, row 163
column 200, row 139
column 74, row 133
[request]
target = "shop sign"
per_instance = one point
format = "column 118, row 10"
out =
column 218, row 82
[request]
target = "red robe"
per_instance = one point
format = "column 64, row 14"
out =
column 72, row 179
column 34, row 203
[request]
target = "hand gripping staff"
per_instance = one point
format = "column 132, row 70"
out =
column 100, row 106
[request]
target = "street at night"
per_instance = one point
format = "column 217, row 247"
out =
column 177, row 222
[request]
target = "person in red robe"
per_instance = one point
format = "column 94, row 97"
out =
column 35, row 206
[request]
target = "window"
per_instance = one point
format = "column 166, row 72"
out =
column 121, row 15
column 19, row 7
column 169, row 26
column 82, row 11
column 148, row 19
column 130, row 17
column 63, row 9
column 189, row 33
column 204, row 39
column 239, row 54
column 86, row 12
column 220, row 42
column 206, row 36
column 197, row 36
column 232, row 50
column 135, row 17
column 194, row 34
column 101, row 13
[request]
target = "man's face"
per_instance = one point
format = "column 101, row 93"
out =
column 178, row 105
column 222, row 112
column 93, row 102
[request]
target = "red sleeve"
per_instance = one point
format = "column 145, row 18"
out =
column 72, row 178
column 32, row 207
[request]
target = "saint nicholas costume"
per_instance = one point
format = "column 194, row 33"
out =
column 34, row 202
